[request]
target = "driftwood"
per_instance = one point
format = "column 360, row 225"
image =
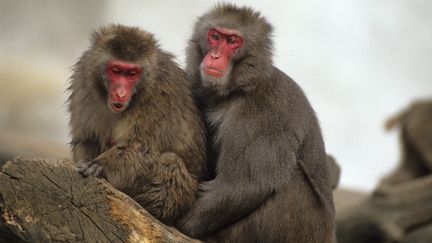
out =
column 48, row 201
column 401, row 213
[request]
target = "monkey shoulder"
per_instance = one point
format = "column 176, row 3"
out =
column 288, row 88
column 282, row 96
column 170, row 71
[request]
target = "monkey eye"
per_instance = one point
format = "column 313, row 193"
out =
column 234, row 41
column 231, row 40
column 133, row 74
column 214, row 36
column 115, row 70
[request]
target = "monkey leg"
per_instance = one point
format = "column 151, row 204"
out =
column 169, row 189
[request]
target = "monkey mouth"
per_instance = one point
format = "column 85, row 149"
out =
column 214, row 72
column 117, row 106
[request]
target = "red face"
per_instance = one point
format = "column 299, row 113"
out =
column 123, row 78
column 224, row 43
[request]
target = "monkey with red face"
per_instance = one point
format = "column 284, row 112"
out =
column 134, row 122
column 271, row 180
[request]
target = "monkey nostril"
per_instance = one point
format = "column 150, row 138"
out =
column 215, row 55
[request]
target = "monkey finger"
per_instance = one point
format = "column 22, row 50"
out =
column 82, row 165
column 89, row 168
column 94, row 169
column 97, row 170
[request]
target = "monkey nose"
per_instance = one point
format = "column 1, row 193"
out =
column 215, row 56
column 121, row 93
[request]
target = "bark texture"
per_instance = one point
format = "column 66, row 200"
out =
column 48, row 201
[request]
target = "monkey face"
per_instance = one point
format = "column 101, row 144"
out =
column 122, row 80
column 216, row 66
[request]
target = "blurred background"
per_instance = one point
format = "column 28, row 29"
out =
column 359, row 62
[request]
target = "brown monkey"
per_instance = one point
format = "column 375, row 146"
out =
column 416, row 143
column 134, row 122
column 272, row 183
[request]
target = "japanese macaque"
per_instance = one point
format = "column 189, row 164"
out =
column 134, row 121
column 271, row 181
column 416, row 143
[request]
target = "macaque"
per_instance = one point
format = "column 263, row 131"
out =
column 271, row 182
column 415, row 123
column 134, row 121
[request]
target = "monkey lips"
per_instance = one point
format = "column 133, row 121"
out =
column 213, row 72
column 117, row 106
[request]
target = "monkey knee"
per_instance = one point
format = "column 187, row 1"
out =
column 170, row 164
column 172, row 172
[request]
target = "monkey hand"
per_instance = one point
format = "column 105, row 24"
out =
column 88, row 167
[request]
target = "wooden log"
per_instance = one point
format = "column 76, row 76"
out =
column 48, row 201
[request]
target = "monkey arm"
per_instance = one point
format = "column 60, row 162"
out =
column 120, row 165
column 221, row 204
column 241, row 187
column 84, row 149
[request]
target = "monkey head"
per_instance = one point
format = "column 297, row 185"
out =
column 124, row 58
column 224, row 39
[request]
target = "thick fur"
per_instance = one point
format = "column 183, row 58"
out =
column 158, row 156
column 272, row 183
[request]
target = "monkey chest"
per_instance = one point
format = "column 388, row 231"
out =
column 113, row 136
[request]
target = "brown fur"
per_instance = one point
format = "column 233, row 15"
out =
column 159, row 152
column 415, row 123
column 272, row 183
